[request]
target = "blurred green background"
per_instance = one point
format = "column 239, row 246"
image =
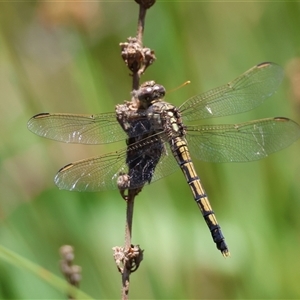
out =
column 64, row 57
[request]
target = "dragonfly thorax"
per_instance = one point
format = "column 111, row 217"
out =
column 166, row 117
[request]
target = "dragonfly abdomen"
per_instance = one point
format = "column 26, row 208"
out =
column 182, row 156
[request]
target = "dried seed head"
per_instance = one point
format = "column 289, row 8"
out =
column 137, row 58
column 146, row 3
column 67, row 253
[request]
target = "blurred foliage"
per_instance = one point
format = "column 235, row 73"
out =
column 64, row 57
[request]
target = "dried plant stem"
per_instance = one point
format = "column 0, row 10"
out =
column 141, row 24
column 135, row 85
column 137, row 60
column 139, row 36
column 128, row 236
column 129, row 220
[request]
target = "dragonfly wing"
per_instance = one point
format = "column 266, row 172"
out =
column 92, row 174
column 241, row 142
column 166, row 165
column 144, row 162
column 242, row 94
column 72, row 128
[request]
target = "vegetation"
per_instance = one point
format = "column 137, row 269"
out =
column 65, row 57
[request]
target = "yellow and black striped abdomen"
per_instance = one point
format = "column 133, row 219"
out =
column 182, row 156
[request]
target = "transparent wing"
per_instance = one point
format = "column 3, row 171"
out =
column 102, row 172
column 92, row 174
column 242, row 94
column 241, row 142
column 72, row 128
column 166, row 166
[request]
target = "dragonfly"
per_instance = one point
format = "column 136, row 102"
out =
column 160, row 141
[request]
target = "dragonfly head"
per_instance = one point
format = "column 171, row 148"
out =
column 149, row 92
